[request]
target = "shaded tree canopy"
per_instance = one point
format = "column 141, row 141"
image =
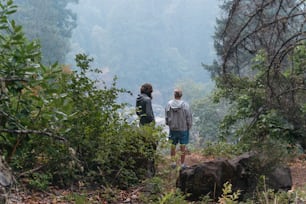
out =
column 261, row 56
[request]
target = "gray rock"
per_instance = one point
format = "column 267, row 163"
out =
column 243, row 173
column 6, row 181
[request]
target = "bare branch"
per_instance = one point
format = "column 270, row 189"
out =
column 248, row 31
column 13, row 79
column 37, row 132
column 30, row 171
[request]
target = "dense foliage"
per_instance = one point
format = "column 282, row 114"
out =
column 207, row 119
column 59, row 126
column 260, row 69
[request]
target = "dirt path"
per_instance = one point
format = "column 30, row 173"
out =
column 298, row 172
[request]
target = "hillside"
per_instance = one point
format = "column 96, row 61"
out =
column 81, row 195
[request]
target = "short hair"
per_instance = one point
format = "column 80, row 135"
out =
column 146, row 88
column 178, row 93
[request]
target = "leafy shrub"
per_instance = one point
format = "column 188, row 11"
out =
column 107, row 147
column 173, row 197
column 40, row 181
column 60, row 122
column 130, row 156
column 228, row 197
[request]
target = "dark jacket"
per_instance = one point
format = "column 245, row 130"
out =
column 144, row 109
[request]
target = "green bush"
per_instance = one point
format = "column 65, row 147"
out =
column 173, row 197
column 40, row 181
column 106, row 147
column 58, row 121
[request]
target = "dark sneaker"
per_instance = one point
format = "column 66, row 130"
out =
column 184, row 166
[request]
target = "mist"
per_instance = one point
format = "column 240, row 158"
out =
column 162, row 42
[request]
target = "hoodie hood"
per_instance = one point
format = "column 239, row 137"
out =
column 139, row 98
column 175, row 104
column 142, row 97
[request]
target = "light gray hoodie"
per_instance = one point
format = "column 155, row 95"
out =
column 178, row 115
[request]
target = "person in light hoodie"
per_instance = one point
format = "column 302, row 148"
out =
column 178, row 117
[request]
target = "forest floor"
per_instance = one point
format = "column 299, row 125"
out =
column 82, row 196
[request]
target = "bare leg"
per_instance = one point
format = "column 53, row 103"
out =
column 183, row 153
column 172, row 153
column 173, row 147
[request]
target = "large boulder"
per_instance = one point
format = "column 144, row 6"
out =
column 205, row 178
column 243, row 173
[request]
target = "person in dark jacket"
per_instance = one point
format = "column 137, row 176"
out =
column 144, row 105
column 179, row 119
column 145, row 113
